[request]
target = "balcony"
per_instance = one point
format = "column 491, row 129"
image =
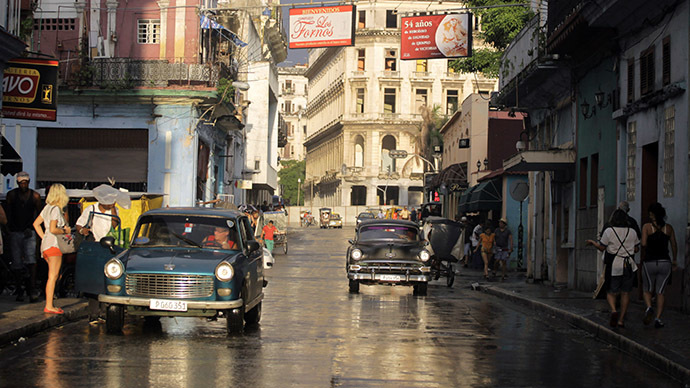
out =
column 288, row 91
column 358, row 74
column 390, row 75
column 422, row 75
column 125, row 73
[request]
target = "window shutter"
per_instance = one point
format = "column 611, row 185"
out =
column 631, row 79
column 666, row 61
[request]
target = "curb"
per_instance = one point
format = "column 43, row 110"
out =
column 625, row 344
column 26, row 328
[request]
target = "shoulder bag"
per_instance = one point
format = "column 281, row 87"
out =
column 65, row 241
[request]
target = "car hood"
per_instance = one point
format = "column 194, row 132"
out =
column 184, row 261
column 387, row 250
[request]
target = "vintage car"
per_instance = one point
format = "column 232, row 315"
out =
column 335, row 221
column 390, row 252
column 200, row 262
column 363, row 216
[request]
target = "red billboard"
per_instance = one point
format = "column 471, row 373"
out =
column 322, row 27
column 436, row 36
column 29, row 89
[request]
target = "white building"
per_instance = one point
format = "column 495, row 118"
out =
column 293, row 102
column 364, row 101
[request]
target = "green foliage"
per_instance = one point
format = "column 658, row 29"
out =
column 226, row 92
column 291, row 171
column 484, row 60
column 26, row 28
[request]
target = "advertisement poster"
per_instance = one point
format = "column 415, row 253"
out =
column 322, row 27
column 29, row 89
column 436, row 36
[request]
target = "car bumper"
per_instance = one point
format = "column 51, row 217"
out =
column 370, row 275
column 191, row 304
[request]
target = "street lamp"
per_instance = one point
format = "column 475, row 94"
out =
column 299, row 184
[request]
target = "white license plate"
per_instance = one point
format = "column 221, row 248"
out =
column 390, row 278
column 168, row 305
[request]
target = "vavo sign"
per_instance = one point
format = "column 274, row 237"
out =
column 29, row 89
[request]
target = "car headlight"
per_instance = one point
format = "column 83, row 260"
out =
column 424, row 255
column 224, row 272
column 114, row 269
column 356, row 254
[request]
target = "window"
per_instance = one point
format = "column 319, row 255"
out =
column 666, row 61
column 594, row 181
column 304, row 129
column 451, row 102
column 391, row 60
column 647, row 71
column 292, row 151
column 583, row 182
column 148, row 31
column 362, row 22
column 360, row 59
column 290, row 129
column 388, row 100
column 52, row 24
column 421, row 98
column 632, row 153
column 360, row 101
column 287, row 88
column 422, row 65
column 359, row 151
column 288, row 106
column 669, row 149
column 449, row 66
column 391, row 18
column 631, row 79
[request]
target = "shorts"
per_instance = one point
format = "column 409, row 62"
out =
column 269, row 245
column 621, row 284
column 468, row 249
column 655, row 275
column 23, row 246
column 51, row 252
column 502, row 255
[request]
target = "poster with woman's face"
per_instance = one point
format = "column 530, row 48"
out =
column 451, row 36
column 436, row 36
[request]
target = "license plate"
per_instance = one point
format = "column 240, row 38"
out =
column 390, row 278
column 168, row 305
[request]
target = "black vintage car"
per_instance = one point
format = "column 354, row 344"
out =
column 390, row 252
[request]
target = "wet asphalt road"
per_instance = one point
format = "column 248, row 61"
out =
column 314, row 334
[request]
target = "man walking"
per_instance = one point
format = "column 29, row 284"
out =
column 267, row 235
column 504, row 245
column 22, row 208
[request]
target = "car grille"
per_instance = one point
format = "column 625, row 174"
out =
column 392, row 268
column 169, row 286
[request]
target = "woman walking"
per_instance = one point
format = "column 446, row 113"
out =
column 53, row 220
column 620, row 243
column 656, row 262
column 486, row 244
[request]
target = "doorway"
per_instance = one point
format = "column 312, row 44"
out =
column 650, row 172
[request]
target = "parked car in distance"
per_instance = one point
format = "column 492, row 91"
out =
column 201, row 262
column 363, row 216
column 335, row 221
column 390, row 252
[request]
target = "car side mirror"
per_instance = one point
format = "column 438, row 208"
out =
column 253, row 246
column 351, row 241
column 108, row 242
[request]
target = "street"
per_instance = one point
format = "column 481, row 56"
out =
column 313, row 333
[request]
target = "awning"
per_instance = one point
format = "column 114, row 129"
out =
column 455, row 174
column 548, row 160
column 463, row 203
column 10, row 161
column 486, row 196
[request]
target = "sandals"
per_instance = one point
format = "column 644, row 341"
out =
column 57, row 311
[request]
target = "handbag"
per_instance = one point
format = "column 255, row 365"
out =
column 65, row 241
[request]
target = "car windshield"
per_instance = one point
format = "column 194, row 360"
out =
column 388, row 232
column 187, row 231
column 366, row 215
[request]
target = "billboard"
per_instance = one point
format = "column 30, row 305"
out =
column 436, row 36
column 29, row 89
column 322, row 27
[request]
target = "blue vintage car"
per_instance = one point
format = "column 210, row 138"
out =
column 199, row 262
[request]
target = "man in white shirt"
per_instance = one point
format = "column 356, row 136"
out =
column 98, row 224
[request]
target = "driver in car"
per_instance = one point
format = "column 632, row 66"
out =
column 219, row 238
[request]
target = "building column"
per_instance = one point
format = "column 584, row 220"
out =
column 345, row 194
column 371, row 195
column 403, row 195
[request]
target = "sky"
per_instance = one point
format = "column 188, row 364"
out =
column 295, row 56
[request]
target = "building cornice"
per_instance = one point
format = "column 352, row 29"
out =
column 138, row 96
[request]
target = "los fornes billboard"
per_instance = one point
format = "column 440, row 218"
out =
column 436, row 36
column 322, row 27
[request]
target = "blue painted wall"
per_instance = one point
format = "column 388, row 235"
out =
column 512, row 213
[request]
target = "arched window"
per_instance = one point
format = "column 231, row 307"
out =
column 359, row 151
column 387, row 163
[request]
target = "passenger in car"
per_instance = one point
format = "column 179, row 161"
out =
column 219, row 238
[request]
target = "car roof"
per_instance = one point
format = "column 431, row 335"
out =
column 388, row 222
column 195, row 211
column 370, row 213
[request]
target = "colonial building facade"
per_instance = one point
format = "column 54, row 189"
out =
column 364, row 102
column 293, row 104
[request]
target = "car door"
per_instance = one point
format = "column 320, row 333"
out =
column 89, row 277
column 255, row 265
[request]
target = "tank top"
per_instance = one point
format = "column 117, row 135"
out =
column 24, row 212
column 657, row 246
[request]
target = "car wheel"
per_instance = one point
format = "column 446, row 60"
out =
column 354, row 286
column 235, row 320
column 253, row 316
column 65, row 286
column 451, row 275
column 419, row 289
column 114, row 318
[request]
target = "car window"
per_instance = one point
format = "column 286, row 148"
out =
column 248, row 231
column 187, row 231
column 389, row 232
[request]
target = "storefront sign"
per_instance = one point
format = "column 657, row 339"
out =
column 29, row 89
column 244, row 184
column 436, row 36
column 322, row 27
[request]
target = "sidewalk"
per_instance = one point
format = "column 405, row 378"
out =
column 22, row 319
column 667, row 349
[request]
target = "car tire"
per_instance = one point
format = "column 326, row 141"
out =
column 285, row 248
column 450, row 272
column 419, row 289
column 235, row 320
column 253, row 316
column 354, row 286
column 114, row 318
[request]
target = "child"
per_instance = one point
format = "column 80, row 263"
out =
column 486, row 244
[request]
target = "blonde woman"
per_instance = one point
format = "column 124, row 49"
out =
column 53, row 219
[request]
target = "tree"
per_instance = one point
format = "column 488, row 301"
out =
column 499, row 27
column 429, row 134
column 291, row 171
